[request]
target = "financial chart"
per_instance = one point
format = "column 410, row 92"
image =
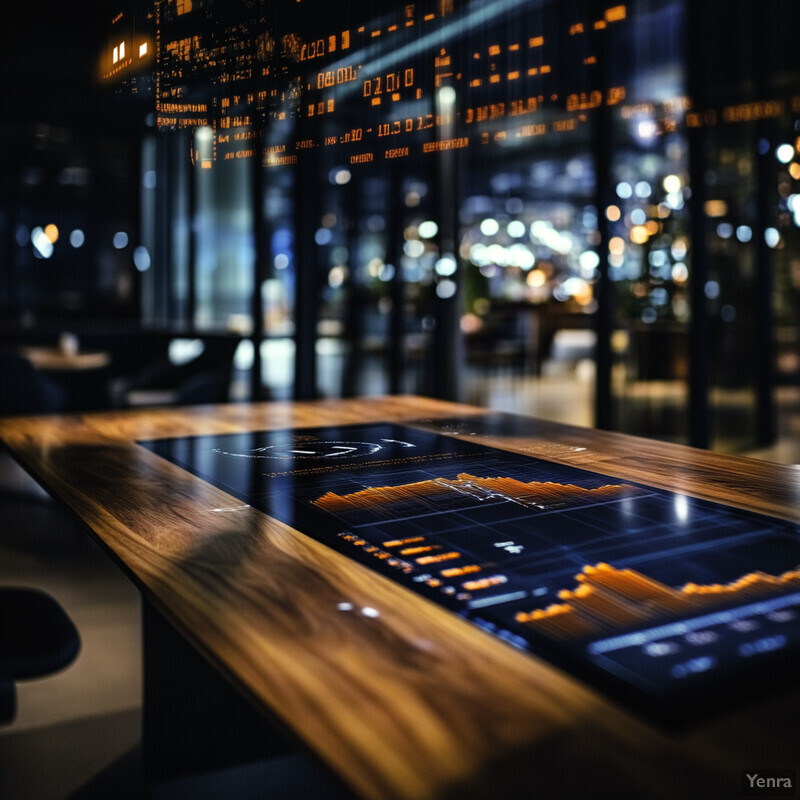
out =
column 663, row 600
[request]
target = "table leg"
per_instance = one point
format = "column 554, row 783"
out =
column 194, row 721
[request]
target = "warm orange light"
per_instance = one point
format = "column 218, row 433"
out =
column 715, row 208
column 680, row 273
column 616, row 245
column 454, row 572
column 585, row 295
column 484, row 583
column 51, row 232
column 616, row 13
column 536, row 278
column 470, row 323
column 437, row 559
column 608, row 598
column 398, row 542
column 639, row 234
column 613, row 213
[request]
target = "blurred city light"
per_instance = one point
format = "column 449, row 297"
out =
column 784, row 153
column 42, row 246
column 489, row 226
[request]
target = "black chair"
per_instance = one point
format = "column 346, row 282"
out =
column 204, row 379
column 37, row 638
column 26, row 390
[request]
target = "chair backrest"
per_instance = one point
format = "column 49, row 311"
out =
column 206, row 378
column 26, row 390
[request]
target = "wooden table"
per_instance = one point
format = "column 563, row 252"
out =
column 414, row 702
column 56, row 359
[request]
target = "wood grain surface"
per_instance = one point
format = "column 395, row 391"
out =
column 413, row 702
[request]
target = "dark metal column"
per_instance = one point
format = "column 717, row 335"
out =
column 163, row 234
column 11, row 299
column 764, row 344
column 448, row 344
column 395, row 254
column 306, row 299
column 356, row 295
column 191, row 266
column 261, row 255
column 699, row 327
column 604, row 289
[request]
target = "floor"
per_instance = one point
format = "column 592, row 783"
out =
column 95, row 701
column 77, row 734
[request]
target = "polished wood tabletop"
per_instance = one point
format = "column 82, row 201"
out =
column 412, row 702
column 56, row 359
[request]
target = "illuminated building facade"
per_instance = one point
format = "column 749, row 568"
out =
column 417, row 197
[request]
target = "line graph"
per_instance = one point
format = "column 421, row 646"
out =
column 534, row 495
column 608, row 600
column 654, row 591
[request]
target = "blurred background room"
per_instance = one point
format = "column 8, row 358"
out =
column 573, row 210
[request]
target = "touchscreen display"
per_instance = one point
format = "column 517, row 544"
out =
column 669, row 603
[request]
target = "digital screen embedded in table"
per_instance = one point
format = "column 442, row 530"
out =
column 666, row 601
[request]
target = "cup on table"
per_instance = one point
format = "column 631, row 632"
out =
column 68, row 344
